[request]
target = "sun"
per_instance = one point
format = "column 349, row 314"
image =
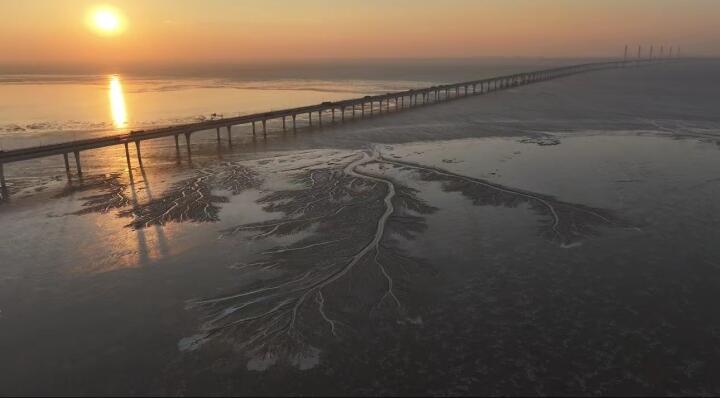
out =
column 105, row 20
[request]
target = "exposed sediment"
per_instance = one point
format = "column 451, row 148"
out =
column 193, row 199
column 351, row 264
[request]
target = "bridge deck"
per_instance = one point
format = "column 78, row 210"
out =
column 428, row 95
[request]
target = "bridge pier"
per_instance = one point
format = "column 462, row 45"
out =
column 218, row 135
column 3, row 183
column 284, row 128
column 253, row 128
column 127, row 157
column 77, row 162
column 139, row 155
column 187, row 144
column 320, row 117
column 264, row 123
column 67, row 165
column 177, row 146
column 229, row 135
column 342, row 114
column 333, row 115
column 310, row 117
column 294, row 127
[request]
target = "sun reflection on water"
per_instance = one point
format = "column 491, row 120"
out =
column 117, row 103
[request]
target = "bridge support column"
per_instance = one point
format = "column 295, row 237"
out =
column 229, row 136
column 342, row 115
column 127, row 157
column 177, row 146
column 77, row 162
column 139, row 155
column 3, row 183
column 320, row 117
column 67, row 165
column 284, row 129
column 218, row 135
column 253, row 128
column 293, row 118
column 333, row 115
column 264, row 123
column 187, row 144
column 310, row 117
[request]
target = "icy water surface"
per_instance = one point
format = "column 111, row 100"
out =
column 463, row 266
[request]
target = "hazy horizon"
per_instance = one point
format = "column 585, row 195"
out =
column 296, row 65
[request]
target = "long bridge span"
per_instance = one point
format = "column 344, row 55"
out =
column 350, row 108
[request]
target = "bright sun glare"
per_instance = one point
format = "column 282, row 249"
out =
column 106, row 20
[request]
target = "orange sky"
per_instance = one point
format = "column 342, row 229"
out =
column 166, row 31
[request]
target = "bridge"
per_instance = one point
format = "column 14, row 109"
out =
column 338, row 110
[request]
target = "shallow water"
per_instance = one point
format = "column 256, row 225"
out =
column 39, row 109
column 499, row 261
column 484, row 295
